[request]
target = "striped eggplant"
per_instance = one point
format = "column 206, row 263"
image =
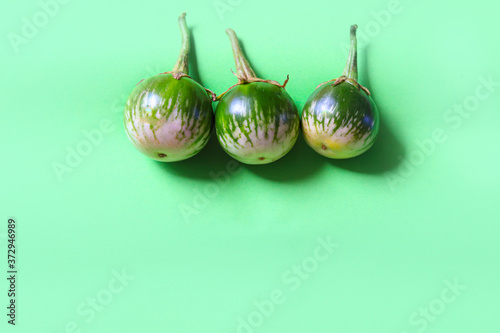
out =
column 169, row 117
column 256, row 120
column 340, row 119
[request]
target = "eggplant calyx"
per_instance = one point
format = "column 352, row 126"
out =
column 242, row 80
column 179, row 75
column 211, row 93
column 344, row 78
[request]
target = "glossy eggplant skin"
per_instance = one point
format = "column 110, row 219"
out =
column 257, row 122
column 169, row 119
column 340, row 121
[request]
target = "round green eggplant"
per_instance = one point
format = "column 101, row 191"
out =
column 169, row 117
column 340, row 119
column 256, row 121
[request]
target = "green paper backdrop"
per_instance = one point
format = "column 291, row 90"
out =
column 401, row 239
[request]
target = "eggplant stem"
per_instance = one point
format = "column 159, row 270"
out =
column 243, row 68
column 244, row 71
column 350, row 74
column 351, row 68
column 182, row 64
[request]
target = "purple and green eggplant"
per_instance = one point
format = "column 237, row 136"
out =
column 169, row 117
column 340, row 119
column 256, row 120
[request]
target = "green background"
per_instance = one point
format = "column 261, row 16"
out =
column 407, row 223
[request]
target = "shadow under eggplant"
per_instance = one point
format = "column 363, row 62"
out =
column 211, row 159
column 300, row 163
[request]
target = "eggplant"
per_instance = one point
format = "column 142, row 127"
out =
column 169, row 117
column 340, row 119
column 256, row 120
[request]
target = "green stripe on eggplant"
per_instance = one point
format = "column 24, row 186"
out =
column 178, row 116
column 257, row 122
column 340, row 121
